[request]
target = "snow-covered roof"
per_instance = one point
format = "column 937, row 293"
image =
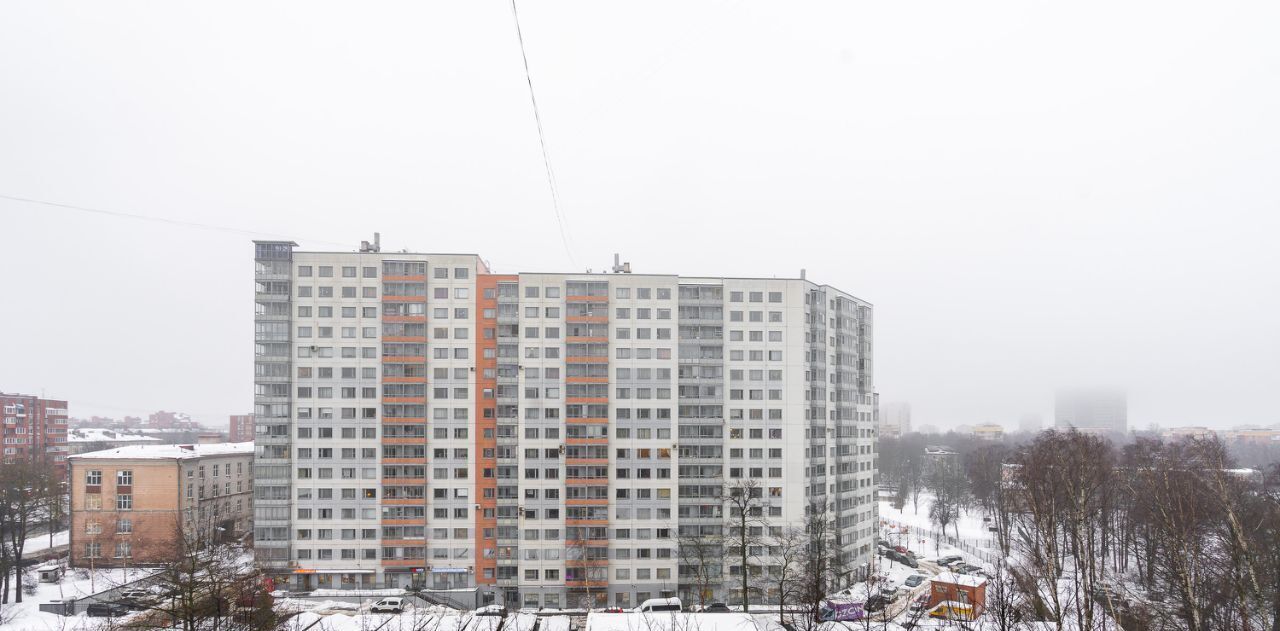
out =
column 960, row 579
column 100, row 435
column 168, row 452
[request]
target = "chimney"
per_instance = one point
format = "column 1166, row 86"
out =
column 377, row 242
column 802, row 273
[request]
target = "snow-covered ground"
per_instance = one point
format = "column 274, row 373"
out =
column 413, row 619
column 26, row 616
column 40, row 543
column 913, row 529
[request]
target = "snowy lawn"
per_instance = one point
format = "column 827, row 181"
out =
column 26, row 616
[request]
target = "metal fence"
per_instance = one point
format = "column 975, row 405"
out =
column 985, row 548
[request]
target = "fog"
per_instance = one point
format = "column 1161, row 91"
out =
column 1033, row 195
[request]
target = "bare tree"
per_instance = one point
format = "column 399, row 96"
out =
column 702, row 560
column 23, row 488
column 746, row 512
column 947, row 487
column 789, row 551
column 209, row 585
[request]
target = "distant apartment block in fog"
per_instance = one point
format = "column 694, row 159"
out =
column 241, row 428
column 895, row 418
column 987, row 431
column 1092, row 410
column 545, row 438
column 34, row 430
column 1030, row 423
column 1257, row 436
column 1176, row 433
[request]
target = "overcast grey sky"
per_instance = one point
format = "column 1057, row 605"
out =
column 1032, row 194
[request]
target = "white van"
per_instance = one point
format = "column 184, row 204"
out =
column 388, row 605
column 660, row 604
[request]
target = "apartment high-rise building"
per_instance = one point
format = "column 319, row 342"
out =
column 895, row 418
column 1092, row 410
column 548, row 439
column 241, row 428
column 1030, row 423
column 34, row 430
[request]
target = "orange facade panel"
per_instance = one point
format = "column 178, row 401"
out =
column 421, row 339
column 409, row 319
column 404, row 440
column 591, row 319
column 404, row 501
column 587, row 501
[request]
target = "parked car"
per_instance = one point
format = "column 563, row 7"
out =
column 966, row 568
column 137, row 598
column 877, row 601
column 948, row 560
column 717, row 608
column 660, row 604
column 388, row 605
column 920, row 603
column 492, row 610
column 902, row 549
column 107, row 610
column 914, row 580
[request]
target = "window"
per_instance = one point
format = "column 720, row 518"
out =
column 124, row 478
column 124, row 502
column 93, row 477
column 93, row 550
column 124, row 526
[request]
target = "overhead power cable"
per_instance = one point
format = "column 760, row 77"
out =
column 505, row 263
column 165, row 220
column 542, row 140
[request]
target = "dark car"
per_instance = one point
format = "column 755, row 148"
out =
column 717, row 608
column 107, row 610
column 876, row 602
